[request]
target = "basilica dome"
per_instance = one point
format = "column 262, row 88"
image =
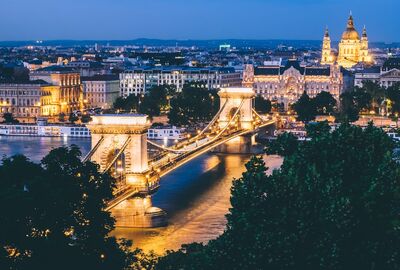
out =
column 350, row 33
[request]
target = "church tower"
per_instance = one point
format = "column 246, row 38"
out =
column 364, row 54
column 326, row 58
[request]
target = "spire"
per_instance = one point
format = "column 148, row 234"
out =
column 326, row 32
column 350, row 22
column 364, row 33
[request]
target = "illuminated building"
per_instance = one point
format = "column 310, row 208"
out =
column 100, row 91
column 352, row 48
column 328, row 57
column 386, row 76
column 50, row 101
column 21, row 99
column 139, row 80
column 285, row 84
column 67, row 90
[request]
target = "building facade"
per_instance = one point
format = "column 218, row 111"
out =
column 386, row 76
column 352, row 49
column 23, row 100
column 139, row 80
column 100, row 91
column 285, row 84
column 67, row 90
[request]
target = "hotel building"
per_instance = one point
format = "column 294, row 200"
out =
column 286, row 83
column 138, row 81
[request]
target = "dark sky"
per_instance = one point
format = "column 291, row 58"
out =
column 195, row 19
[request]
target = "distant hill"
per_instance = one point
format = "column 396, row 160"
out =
column 239, row 43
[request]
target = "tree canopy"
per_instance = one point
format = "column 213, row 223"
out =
column 262, row 105
column 9, row 118
column 193, row 105
column 324, row 103
column 333, row 204
column 305, row 108
column 53, row 218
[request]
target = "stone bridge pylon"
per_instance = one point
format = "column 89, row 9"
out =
column 119, row 146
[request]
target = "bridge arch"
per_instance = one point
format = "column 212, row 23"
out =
column 234, row 99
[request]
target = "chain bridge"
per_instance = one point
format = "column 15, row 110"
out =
column 121, row 148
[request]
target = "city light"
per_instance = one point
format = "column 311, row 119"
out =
column 168, row 142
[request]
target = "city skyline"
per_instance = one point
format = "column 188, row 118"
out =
column 202, row 20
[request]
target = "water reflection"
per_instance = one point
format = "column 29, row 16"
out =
column 197, row 198
column 38, row 147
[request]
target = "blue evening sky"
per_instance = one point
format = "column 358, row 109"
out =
column 195, row 19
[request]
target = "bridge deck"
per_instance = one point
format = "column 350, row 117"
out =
column 172, row 161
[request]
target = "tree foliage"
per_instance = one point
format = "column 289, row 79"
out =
column 72, row 118
column 325, row 103
column 193, row 105
column 53, row 217
column 157, row 100
column 61, row 117
column 9, row 118
column 85, row 118
column 262, row 105
column 305, row 108
column 393, row 94
column 127, row 104
column 349, row 111
column 333, row 204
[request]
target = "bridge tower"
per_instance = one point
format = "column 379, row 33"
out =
column 119, row 146
column 236, row 98
column 124, row 136
column 232, row 100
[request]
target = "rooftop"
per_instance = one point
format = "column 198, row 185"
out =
column 98, row 78
column 277, row 70
column 182, row 69
column 55, row 69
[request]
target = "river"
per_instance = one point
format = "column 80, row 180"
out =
column 195, row 196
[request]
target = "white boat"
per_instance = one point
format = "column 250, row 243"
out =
column 78, row 131
column 44, row 130
column 169, row 133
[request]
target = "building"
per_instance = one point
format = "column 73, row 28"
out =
column 328, row 56
column 139, row 80
column 286, row 83
column 87, row 68
column 352, row 49
column 385, row 76
column 66, row 95
column 23, row 100
column 100, row 91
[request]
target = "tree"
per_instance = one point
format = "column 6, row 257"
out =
column 376, row 92
column 348, row 108
column 393, row 94
column 53, row 217
column 284, row 145
column 325, row 103
column 333, row 204
column 73, row 118
column 262, row 105
column 9, row 118
column 156, row 100
column 61, row 117
column 85, row 118
column 193, row 105
column 362, row 99
column 305, row 108
column 127, row 104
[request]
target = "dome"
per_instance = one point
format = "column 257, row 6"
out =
column 350, row 33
